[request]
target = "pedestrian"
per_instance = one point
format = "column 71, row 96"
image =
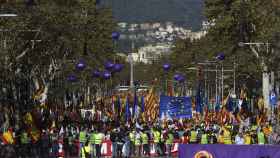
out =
column 169, row 142
column 239, row 139
column 98, row 142
column 145, row 143
column 45, row 142
column 113, row 138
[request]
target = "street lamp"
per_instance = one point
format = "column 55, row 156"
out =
column 266, row 85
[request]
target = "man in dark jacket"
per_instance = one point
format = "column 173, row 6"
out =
column 45, row 144
column 113, row 138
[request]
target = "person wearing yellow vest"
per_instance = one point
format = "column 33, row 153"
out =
column 204, row 138
column 145, row 143
column 169, row 142
column 247, row 138
column 193, row 136
column 261, row 138
column 227, row 136
column 132, row 142
column 86, row 150
column 138, row 143
column 157, row 138
column 99, row 137
column 24, row 140
column 82, row 139
column 92, row 143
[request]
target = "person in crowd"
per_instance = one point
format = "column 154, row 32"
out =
column 145, row 143
column 204, row 138
column 138, row 142
column 45, row 142
column 132, row 141
column 82, row 138
column 193, row 136
column 261, row 138
column 169, row 142
column 98, row 142
column 239, row 139
column 113, row 138
column 25, row 144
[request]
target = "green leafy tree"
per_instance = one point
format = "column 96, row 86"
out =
column 46, row 40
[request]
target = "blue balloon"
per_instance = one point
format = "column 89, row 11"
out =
column 118, row 67
column 72, row 78
column 81, row 65
column 115, row 35
column 177, row 77
column 221, row 56
column 181, row 79
column 106, row 75
column 166, row 66
column 109, row 65
column 96, row 74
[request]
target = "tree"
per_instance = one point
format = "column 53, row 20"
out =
column 245, row 21
column 47, row 39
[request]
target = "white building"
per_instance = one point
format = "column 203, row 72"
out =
column 150, row 53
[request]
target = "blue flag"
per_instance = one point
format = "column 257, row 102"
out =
column 118, row 105
column 135, row 104
column 127, row 110
column 175, row 107
column 142, row 104
column 230, row 104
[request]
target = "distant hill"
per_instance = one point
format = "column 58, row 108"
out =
column 186, row 13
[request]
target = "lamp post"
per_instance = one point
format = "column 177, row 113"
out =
column 265, row 75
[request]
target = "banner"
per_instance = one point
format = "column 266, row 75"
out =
column 228, row 151
column 175, row 107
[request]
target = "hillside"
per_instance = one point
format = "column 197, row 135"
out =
column 183, row 12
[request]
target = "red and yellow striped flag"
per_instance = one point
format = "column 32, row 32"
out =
column 151, row 105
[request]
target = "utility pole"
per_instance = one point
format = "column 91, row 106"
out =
column 222, row 82
column 131, row 66
column 234, row 76
column 265, row 74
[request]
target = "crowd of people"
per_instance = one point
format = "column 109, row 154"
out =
column 59, row 131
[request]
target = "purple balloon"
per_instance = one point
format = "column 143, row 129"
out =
column 115, row 35
column 118, row 67
column 181, row 79
column 96, row 73
column 166, row 67
column 109, row 65
column 106, row 75
column 72, row 78
column 221, row 56
column 81, row 65
column 177, row 77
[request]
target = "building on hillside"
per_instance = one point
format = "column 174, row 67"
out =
column 150, row 53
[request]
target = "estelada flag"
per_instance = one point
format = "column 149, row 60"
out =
column 34, row 134
column 7, row 137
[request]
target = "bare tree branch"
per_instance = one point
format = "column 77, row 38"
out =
column 22, row 54
column 254, row 51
